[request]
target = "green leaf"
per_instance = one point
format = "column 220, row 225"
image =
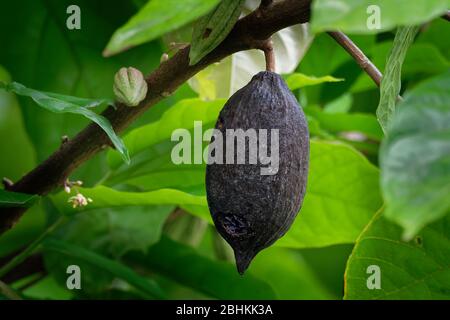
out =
column 216, row 279
column 181, row 115
column 342, row 104
column 147, row 286
column 152, row 167
column 104, row 197
column 363, row 123
column 156, row 18
column 433, row 33
column 392, row 78
column 408, row 270
column 415, row 161
column 213, row 28
column 117, row 230
column 45, row 55
column 15, row 199
column 299, row 80
column 48, row 289
column 67, row 104
column 356, row 16
column 294, row 278
column 17, row 149
column 17, row 157
column 342, row 195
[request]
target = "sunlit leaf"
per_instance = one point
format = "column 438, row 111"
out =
column 299, row 80
column 67, row 104
column 342, row 195
column 418, row 269
column 104, row 197
column 361, row 16
column 154, row 19
column 363, row 123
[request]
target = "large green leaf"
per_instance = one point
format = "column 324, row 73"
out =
column 392, row 79
column 415, row 157
column 216, row 279
column 154, row 19
column 299, row 80
column 151, row 167
column 110, row 231
column 17, row 149
column 44, row 54
column 15, row 199
column 59, row 103
column 419, row 269
column 433, row 34
column 181, row 115
column 294, row 278
column 353, row 15
column 117, row 230
column 339, row 64
column 104, row 197
column 363, row 123
column 342, row 195
column 17, row 157
column 71, row 251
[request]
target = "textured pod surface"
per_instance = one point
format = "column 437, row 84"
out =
column 250, row 210
column 130, row 86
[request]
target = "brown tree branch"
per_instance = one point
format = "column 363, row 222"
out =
column 359, row 56
column 446, row 16
column 248, row 33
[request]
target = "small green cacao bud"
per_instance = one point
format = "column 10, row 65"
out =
column 130, row 87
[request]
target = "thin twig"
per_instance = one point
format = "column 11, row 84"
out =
column 359, row 56
column 8, row 292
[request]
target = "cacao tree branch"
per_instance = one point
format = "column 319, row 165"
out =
column 246, row 34
column 446, row 16
column 357, row 54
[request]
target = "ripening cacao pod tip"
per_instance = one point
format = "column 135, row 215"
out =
column 252, row 210
column 130, row 87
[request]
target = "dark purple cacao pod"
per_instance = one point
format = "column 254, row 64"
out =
column 252, row 210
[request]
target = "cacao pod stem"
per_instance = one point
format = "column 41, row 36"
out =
column 269, row 56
